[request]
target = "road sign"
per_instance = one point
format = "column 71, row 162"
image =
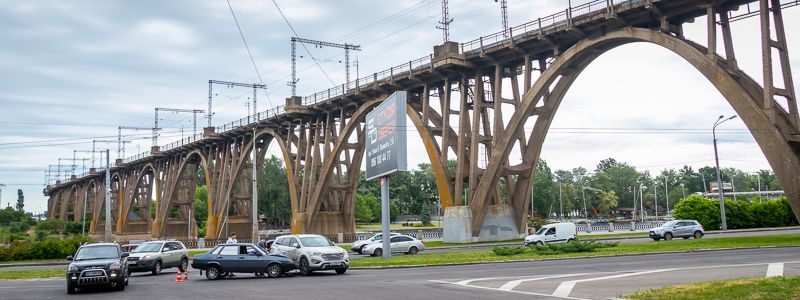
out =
column 386, row 137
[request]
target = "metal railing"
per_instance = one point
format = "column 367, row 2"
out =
column 182, row 142
column 136, row 157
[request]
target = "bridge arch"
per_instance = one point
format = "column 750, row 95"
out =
column 167, row 188
column 145, row 178
column 741, row 92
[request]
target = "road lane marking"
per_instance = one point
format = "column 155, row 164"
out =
column 565, row 288
column 511, row 291
column 514, row 283
column 468, row 281
column 774, row 270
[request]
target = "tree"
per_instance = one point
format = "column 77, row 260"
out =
column 425, row 214
column 543, row 189
column 273, row 193
column 201, row 206
column 363, row 211
column 20, row 200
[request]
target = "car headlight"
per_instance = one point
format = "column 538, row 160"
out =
column 146, row 257
column 72, row 268
column 114, row 266
column 346, row 256
column 316, row 254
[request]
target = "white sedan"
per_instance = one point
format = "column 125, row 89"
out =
column 399, row 244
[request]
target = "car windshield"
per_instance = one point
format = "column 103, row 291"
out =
column 148, row 247
column 316, row 241
column 541, row 231
column 669, row 224
column 97, row 252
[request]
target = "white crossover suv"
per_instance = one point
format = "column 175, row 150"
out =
column 311, row 252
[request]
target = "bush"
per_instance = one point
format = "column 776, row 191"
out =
column 51, row 226
column 49, row 248
column 73, row 228
column 573, row 247
column 507, row 251
column 738, row 213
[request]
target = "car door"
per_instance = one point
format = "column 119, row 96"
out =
column 174, row 254
column 396, row 243
column 680, row 229
column 228, row 258
column 550, row 235
column 249, row 260
column 166, row 255
column 292, row 251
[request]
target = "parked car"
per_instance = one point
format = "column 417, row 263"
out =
column 127, row 248
column 553, row 233
column 399, row 244
column 241, row 257
column 358, row 245
column 97, row 265
column 155, row 256
column 678, row 228
column 311, row 252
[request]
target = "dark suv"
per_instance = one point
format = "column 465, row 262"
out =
column 97, row 265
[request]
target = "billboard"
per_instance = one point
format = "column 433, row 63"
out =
column 386, row 137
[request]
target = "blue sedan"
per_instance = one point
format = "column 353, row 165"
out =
column 241, row 258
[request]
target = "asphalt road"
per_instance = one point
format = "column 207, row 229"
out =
column 644, row 239
column 587, row 278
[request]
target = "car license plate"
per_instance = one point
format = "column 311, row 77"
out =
column 132, row 263
column 94, row 273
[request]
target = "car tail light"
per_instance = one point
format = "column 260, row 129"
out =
column 701, row 226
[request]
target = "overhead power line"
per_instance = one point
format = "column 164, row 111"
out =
column 304, row 46
column 241, row 33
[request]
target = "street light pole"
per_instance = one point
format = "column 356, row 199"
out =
column 719, row 175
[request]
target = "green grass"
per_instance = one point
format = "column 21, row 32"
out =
column 62, row 260
column 29, row 274
column 196, row 252
column 647, row 247
column 751, row 289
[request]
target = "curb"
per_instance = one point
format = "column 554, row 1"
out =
column 566, row 258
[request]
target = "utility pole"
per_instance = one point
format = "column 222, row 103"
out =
column 255, row 189
column 347, row 47
column 666, row 193
column 194, row 113
column 655, row 198
column 758, row 179
column 94, row 147
column 560, row 203
column 107, row 236
column 230, row 84
column 719, row 174
column 120, row 144
column 504, row 12
column 2, row 186
column 444, row 24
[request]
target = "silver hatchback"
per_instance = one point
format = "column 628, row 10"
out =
column 678, row 228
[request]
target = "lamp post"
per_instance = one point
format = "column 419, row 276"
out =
column 720, row 120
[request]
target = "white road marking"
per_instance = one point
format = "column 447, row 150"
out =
column 774, row 270
column 511, row 291
column 468, row 281
column 565, row 288
column 514, row 283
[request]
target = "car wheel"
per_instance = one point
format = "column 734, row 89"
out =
column 413, row 250
column 212, row 273
column 377, row 252
column 127, row 278
column 157, row 268
column 274, row 270
column 668, row 236
column 304, row 269
column 539, row 243
column 341, row 271
column 185, row 265
column 120, row 286
column 70, row 288
column 698, row 234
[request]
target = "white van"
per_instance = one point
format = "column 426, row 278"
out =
column 553, row 233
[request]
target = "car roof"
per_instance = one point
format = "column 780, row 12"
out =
column 300, row 235
column 99, row 244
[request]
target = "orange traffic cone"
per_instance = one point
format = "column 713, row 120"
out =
column 179, row 279
column 185, row 275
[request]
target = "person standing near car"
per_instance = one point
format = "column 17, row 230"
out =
column 232, row 239
column 262, row 244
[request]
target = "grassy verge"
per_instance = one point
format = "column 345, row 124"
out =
column 196, row 252
column 29, row 274
column 612, row 235
column 755, row 288
column 648, row 247
column 33, row 261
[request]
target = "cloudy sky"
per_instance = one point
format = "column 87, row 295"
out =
column 72, row 71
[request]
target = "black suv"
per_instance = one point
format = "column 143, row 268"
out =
column 97, row 265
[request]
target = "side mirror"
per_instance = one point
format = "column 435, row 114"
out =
column 126, row 254
column 296, row 245
column 69, row 258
